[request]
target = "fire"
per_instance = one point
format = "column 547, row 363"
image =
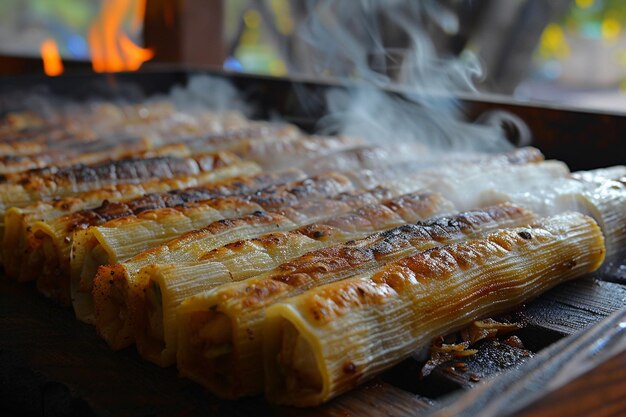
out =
column 52, row 64
column 111, row 48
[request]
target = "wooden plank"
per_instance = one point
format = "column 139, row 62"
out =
column 64, row 353
column 574, row 306
column 493, row 358
column 607, row 398
column 562, row 311
column 565, row 364
column 373, row 399
column 51, row 364
column 614, row 270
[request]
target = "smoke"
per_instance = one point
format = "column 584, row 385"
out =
column 208, row 93
column 383, row 45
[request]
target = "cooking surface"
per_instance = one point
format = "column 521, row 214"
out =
column 51, row 364
column 46, row 354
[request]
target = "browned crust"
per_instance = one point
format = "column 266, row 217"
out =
column 257, row 218
column 177, row 198
column 295, row 145
column 421, row 204
column 435, row 264
column 308, row 268
column 124, row 170
column 109, row 281
column 288, row 195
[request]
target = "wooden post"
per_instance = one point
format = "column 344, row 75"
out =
column 188, row 32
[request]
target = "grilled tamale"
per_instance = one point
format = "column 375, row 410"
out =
column 19, row 221
column 327, row 340
column 51, row 241
column 159, row 289
column 220, row 331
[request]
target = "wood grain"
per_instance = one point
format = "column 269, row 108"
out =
column 562, row 365
column 607, row 396
column 51, row 364
column 570, row 308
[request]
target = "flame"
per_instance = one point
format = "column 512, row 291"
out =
column 52, row 64
column 111, row 48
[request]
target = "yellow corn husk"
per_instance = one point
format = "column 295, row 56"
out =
column 165, row 286
column 284, row 151
column 49, row 242
column 18, row 243
column 22, row 189
column 102, row 246
column 592, row 194
column 449, row 179
column 190, row 246
column 44, row 211
column 327, row 340
column 65, row 157
column 600, row 175
column 120, row 278
column 220, row 331
column 121, row 239
column 607, row 205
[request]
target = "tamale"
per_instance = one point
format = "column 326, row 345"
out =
column 325, row 341
column 220, row 331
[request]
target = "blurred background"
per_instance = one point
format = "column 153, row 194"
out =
column 569, row 52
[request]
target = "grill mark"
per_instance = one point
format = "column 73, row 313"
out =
column 124, row 170
column 113, row 210
column 303, row 270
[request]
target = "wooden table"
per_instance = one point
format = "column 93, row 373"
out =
column 51, row 364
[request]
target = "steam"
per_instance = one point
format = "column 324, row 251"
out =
column 186, row 105
column 347, row 39
column 208, row 93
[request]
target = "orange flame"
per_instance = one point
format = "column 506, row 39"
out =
column 111, row 49
column 52, row 64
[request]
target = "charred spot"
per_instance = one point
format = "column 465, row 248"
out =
column 316, row 314
column 258, row 213
column 408, row 228
column 236, row 245
column 361, row 291
column 294, row 280
column 570, row 264
column 298, row 190
column 318, row 234
column 110, row 282
column 525, row 235
column 349, row 368
column 454, row 223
